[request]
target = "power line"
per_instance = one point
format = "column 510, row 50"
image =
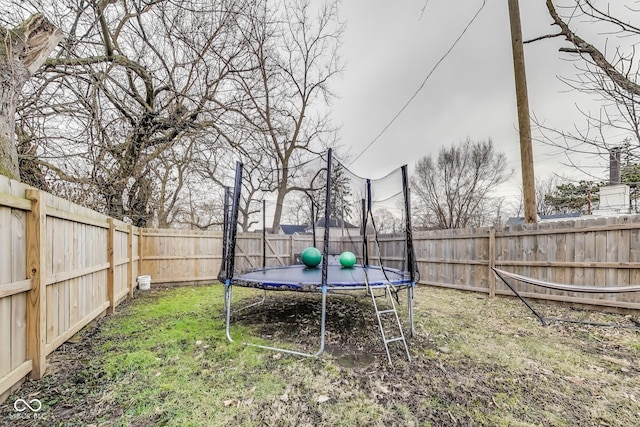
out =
column 484, row 2
column 423, row 9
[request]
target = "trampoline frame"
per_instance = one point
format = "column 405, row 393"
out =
column 324, row 290
column 229, row 239
column 228, row 292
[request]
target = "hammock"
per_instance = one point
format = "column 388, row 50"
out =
column 569, row 288
column 560, row 287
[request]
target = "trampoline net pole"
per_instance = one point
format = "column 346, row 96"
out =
column 233, row 221
column 365, row 249
column 313, row 221
column 264, row 233
column 368, row 212
column 327, row 222
column 411, row 260
column 222, row 274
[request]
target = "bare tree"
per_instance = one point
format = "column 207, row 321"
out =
column 138, row 89
column 218, row 167
column 298, row 210
column 130, row 81
column 281, row 93
column 609, row 74
column 23, row 50
column 544, row 189
column 172, row 174
column 454, row 189
column 387, row 222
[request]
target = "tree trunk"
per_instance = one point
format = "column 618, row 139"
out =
column 282, row 192
column 23, row 51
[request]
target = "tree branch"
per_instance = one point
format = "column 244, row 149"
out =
column 583, row 47
column 548, row 36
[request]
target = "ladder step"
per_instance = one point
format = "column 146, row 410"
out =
column 394, row 339
column 386, row 311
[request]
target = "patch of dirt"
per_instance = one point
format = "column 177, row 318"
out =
column 430, row 386
column 352, row 334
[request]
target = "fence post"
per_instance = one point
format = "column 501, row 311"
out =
column 492, row 262
column 37, row 296
column 292, row 254
column 140, row 250
column 112, row 266
column 130, row 279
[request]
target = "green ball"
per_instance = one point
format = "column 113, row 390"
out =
column 311, row 257
column 347, row 259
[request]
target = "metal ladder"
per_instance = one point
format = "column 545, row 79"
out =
column 387, row 293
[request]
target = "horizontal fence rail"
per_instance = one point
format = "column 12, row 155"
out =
column 62, row 265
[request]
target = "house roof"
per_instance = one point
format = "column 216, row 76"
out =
column 292, row 229
column 554, row 217
column 334, row 223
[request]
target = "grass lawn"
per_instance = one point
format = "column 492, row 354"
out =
column 163, row 359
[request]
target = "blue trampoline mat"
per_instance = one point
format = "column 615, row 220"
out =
column 302, row 278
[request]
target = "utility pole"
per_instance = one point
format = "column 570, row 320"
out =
column 524, row 126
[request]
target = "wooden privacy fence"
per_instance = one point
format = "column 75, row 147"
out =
column 183, row 256
column 585, row 252
column 180, row 256
column 61, row 266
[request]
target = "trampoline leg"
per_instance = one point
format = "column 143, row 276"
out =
column 227, row 305
column 299, row 353
column 323, row 318
column 410, row 304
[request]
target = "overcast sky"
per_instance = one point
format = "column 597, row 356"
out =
column 390, row 49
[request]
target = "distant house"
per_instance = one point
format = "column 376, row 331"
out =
column 545, row 218
column 337, row 228
column 290, row 229
column 614, row 200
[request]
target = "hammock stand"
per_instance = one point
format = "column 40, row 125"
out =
column 567, row 288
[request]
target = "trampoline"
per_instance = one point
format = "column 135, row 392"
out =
column 369, row 275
